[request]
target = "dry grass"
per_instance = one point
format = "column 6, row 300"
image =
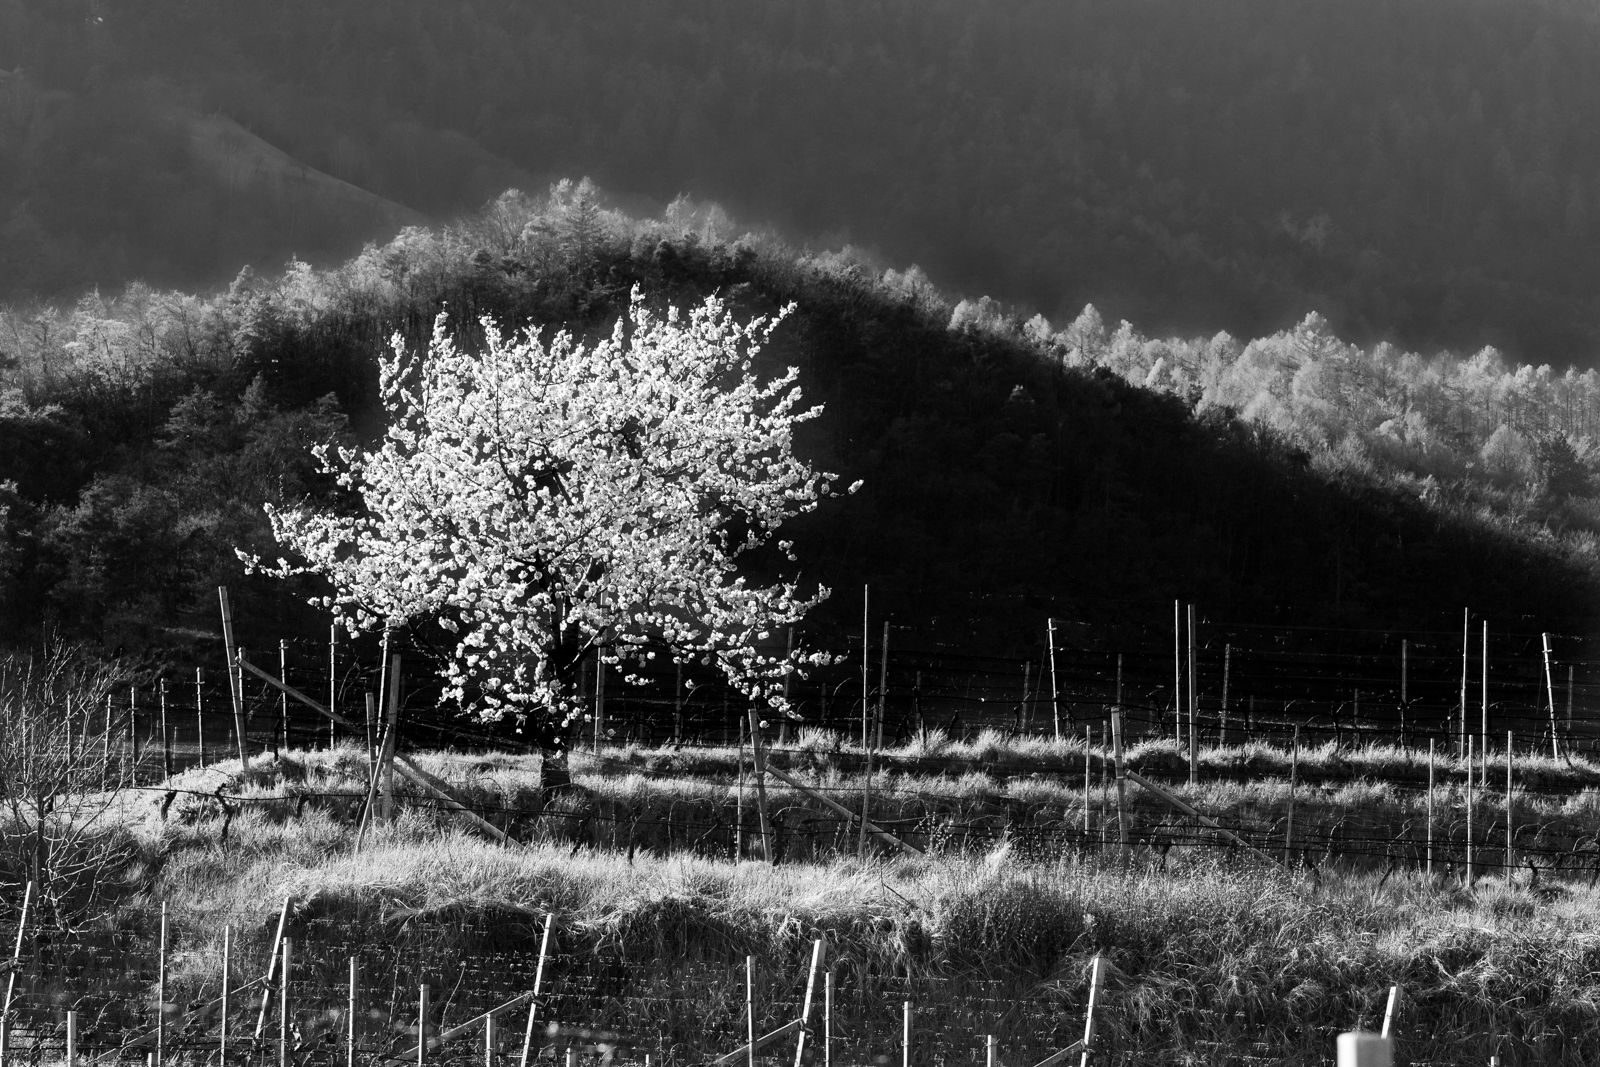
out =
column 1214, row 957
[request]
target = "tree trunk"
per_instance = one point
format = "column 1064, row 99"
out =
column 555, row 775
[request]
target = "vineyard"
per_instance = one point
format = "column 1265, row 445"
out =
column 1014, row 835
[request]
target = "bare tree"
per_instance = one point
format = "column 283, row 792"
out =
column 61, row 786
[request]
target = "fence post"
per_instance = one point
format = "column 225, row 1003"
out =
column 1177, row 670
column 422, row 1024
column 227, row 960
column 1430, row 807
column 991, row 1051
column 350, row 1017
column 538, row 983
column 1294, row 781
column 488, row 1041
column 1194, row 709
column 1055, row 688
column 1391, row 1012
column 1550, row 690
column 905, row 1037
column 1511, row 852
column 333, row 681
column 1469, row 812
column 283, row 695
column 1365, row 1050
column 284, row 1018
column 827, row 1018
column 161, row 990
column 272, row 967
column 72, row 1039
column 1088, row 743
column 750, row 1005
column 1122, row 792
column 11, row 979
column 1227, row 664
column 817, row 948
column 1097, row 976
column 200, row 715
column 166, row 734
column 1484, row 726
column 235, row 678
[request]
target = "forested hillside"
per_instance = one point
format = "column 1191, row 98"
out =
column 1085, row 471
column 1426, row 171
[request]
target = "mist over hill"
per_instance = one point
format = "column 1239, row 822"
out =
column 1426, row 171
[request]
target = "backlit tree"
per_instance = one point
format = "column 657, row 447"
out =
column 544, row 501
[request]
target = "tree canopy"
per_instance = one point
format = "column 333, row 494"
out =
column 543, row 501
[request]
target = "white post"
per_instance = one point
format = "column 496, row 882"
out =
column 750, row 1005
column 1365, row 1050
column 72, row 1039
column 284, row 1020
column 905, row 1037
column 1390, row 1011
column 1055, row 688
column 422, row 1025
column 350, row 1020
column 1550, row 690
column 227, row 960
column 488, row 1041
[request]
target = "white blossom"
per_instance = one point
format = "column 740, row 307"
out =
column 537, row 501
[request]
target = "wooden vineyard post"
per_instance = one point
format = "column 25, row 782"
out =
column 1294, row 781
column 350, row 1017
column 1177, row 669
column 1469, row 813
column 200, row 715
column 1550, row 691
column 1055, row 686
column 1391, row 1012
column 372, row 729
column 1121, row 774
column 538, row 984
column 272, row 969
column 1466, row 622
column 1227, row 663
column 760, row 759
column 1097, row 977
column 227, row 960
column 1483, row 731
column 883, row 687
column 235, row 679
column 106, row 743
column 1569, row 705
column 285, row 1017
column 161, row 990
column 1088, row 743
column 422, row 1025
column 333, row 682
column 677, row 707
column 1511, row 852
column 283, row 696
column 866, row 808
column 818, row 948
column 1194, row 710
column 750, row 1005
column 1405, row 741
column 11, row 978
column 1023, row 717
column 827, row 1018
column 1430, row 807
column 866, row 681
column 166, row 734
column 738, row 802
